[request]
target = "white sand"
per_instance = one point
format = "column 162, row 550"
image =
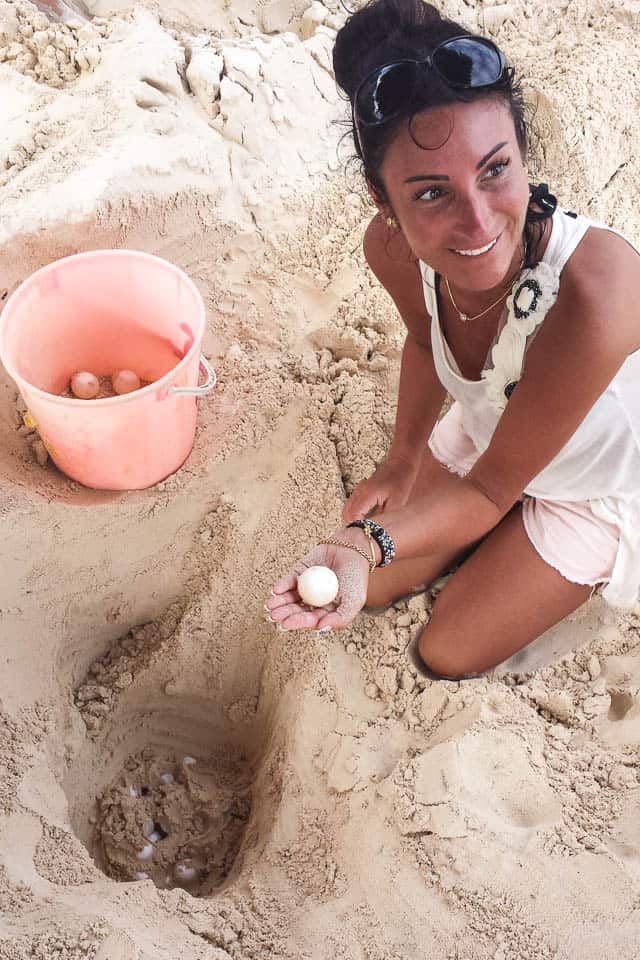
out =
column 355, row 810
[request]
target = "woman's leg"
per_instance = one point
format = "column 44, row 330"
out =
column 402, row 577
column 498, row 601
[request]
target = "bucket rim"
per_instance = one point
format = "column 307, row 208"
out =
column 164, row 381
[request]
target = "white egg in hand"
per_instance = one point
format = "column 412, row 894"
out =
column 125, row 381
column 84, row 385
column 318, row 586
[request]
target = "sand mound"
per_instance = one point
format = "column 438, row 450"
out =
column 339, row 805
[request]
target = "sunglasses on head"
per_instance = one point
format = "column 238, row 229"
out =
column 464, row 62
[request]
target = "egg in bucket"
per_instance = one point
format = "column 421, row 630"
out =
column 104, row 311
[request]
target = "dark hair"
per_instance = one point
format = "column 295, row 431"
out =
column 387, row 30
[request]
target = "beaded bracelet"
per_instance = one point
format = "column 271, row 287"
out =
column 381, row 537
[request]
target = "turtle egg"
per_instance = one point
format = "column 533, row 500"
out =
column 184, row 873
column 146, row 853
column 318, row 586
column 84, row 385
column 125, row 381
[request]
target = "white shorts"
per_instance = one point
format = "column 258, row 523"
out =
column 567, row 535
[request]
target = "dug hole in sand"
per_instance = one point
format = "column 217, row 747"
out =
column 179, row 778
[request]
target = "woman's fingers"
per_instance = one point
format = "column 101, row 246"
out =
column 292, row 606
column 285, row 584
column 282, row 599
column 395, row 503
column 358, row 506
column 294, row 616
column 355, row 507
column 350, row 510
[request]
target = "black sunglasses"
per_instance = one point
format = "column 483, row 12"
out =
column 464, row 62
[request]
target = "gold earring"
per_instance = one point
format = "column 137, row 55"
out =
column 392, row 223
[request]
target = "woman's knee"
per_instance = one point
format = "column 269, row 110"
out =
column 438, row 661
column 442, row 654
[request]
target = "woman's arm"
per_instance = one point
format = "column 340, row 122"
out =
column 420, row 399
column 420, row 393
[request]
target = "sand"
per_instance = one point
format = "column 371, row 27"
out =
column 339, row 805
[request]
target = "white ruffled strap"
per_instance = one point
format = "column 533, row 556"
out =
column 533, row 294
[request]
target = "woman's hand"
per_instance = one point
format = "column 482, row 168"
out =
column 387, row 489
column 287, row 609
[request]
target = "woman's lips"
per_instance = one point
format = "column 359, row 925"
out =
column 476, row 251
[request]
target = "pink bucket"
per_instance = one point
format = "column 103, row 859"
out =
column 104, row 311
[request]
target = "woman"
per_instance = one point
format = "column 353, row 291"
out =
column 527, row 315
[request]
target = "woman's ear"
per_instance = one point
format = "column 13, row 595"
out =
column 377, row 199
column 385, row 210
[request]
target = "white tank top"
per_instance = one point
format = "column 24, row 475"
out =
column 601, row 461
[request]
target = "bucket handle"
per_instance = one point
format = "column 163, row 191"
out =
column 203, row 389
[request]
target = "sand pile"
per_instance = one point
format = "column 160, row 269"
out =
column 340, row 806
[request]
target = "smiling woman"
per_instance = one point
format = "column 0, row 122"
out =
column 529, row 487
column 463, row 211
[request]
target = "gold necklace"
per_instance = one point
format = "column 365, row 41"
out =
column 464, row 316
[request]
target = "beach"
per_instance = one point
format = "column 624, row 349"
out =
column 179, row 778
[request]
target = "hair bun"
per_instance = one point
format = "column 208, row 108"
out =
column 386, row 30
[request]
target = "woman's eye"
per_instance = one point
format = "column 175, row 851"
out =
column 431, row 193
column 497, row 168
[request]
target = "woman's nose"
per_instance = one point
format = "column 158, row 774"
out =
column 474, row 218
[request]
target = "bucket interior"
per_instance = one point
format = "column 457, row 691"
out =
column 101, row 312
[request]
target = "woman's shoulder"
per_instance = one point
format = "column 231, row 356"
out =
column 392, row 261
column 604, row 250
column 600, row 287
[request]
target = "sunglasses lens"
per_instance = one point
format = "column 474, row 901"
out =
column 383, row 93
column 468, row 62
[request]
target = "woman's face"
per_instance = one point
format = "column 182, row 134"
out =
column 468, row 194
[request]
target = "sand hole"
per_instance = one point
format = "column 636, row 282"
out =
column 177, row 820
column 162, row 786
column 162, row 796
